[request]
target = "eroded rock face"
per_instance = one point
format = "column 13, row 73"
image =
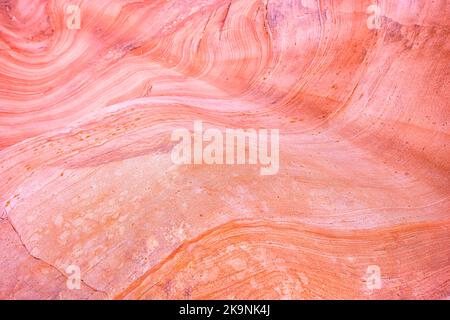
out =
column 90, row 94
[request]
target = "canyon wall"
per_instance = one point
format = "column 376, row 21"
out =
column 90, row 92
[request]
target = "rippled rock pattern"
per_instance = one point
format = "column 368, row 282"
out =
column 90, row 92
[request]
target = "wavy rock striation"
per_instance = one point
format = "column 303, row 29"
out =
column 360, row 206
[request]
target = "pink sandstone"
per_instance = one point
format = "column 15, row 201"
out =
column 86, row 176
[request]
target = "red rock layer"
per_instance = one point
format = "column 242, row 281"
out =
column 86, row 177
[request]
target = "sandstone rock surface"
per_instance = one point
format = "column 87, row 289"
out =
column 87, row 108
